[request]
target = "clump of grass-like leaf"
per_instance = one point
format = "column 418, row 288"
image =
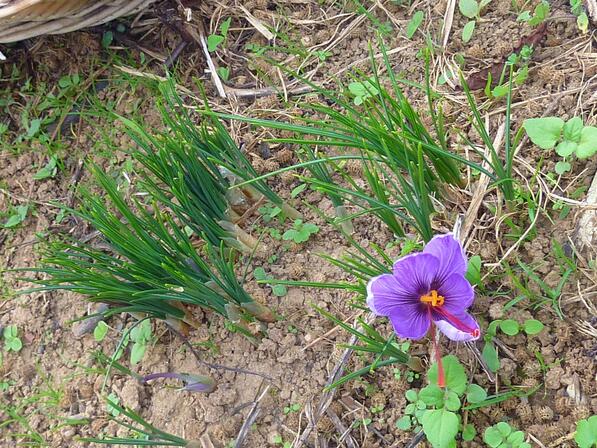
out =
column 151, row 266
column 215, row 147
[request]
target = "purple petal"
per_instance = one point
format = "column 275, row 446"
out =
column 412, row 321
column 456, row 334
column 415, row 273
column 457, row 292
column 384, row 293
column 450, row 254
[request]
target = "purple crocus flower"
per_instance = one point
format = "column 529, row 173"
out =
column 192, row 383
column 427, row 288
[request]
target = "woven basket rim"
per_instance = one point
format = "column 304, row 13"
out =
column 9, row 9
column 95, row 13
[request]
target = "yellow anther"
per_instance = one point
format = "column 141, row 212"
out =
column 433, row 298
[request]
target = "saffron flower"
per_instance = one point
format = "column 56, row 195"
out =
column 425, row 289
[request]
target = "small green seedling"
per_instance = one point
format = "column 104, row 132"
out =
column 362, row 422
column 300, row 232
column 519, row 62
column 295, row 407
column 278, row 440
column 582, row 20
column 11, row 339
column 539, row 15
column 472, row 10
column 322, row 55
column 502, row 435
column 586, row 433
column 141, row 336
column 435, row 409
column 473, row 271
column 49, row 170
column 100, row 331
column 224, row 73
column 509, row 327
column 214, row 40
column 69, row 81
column 18, row 215
column 269, row 212
column 361, row 91
column 261, row 276
column 568, row 138
column 414, row 23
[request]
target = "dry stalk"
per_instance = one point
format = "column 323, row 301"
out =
column 251, row 417
column 314, row 415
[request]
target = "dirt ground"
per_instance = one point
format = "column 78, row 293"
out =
column 55, row 378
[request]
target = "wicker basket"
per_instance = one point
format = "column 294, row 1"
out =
column 22, row 19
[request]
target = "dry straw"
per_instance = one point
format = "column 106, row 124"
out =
column 22, row 19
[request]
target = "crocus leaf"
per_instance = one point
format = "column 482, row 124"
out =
column 454, row 372
column 440, row 426
column 587, row 146
column 468, row 8
column 467, row 31
column 532, row 326
column 113, row 399
column 566, row 148
column 573, row 129
column 544, row 132
column 414, row 23
column 475, row 393
column 586, row 432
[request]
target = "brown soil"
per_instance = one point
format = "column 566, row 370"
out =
column 299, row 352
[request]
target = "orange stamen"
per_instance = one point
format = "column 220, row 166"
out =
column 433, row 298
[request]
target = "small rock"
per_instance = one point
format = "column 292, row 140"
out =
column 87, row 326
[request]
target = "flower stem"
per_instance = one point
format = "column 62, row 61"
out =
column 441, row 376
